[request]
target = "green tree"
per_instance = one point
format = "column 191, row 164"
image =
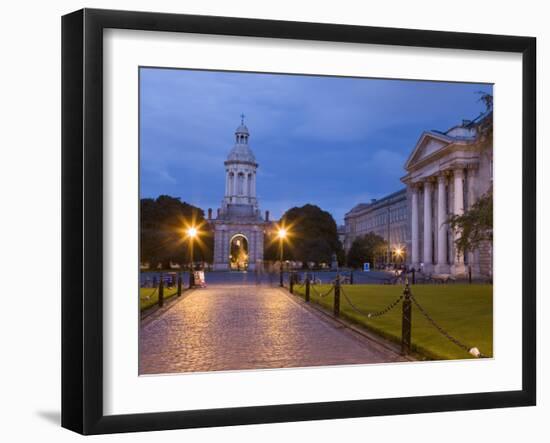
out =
column 313, row 236
column 475, row 225
column 162, row 231
column 484, row 124
column 365, row 249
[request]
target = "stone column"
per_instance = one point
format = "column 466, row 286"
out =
column 225, row 252
column 414, row 227
column 458, row 209
column 217, row 245
column 442, row 267
column 227, row 192
column 427, row 259
column 253, row 258
column 253, row 184
column 220, row 262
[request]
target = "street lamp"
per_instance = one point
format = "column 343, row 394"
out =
column 399, row 254
column 191, row 234
column 282, row 235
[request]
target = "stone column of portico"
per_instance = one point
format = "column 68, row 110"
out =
column 414, row 227
column 442, row 267
column 427, row 258
column 458, row 209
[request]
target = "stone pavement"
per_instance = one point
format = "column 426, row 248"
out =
column 230, row 327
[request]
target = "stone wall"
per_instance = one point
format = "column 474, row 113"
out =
column 224, row 232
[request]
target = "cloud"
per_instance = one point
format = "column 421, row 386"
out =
column 330, row 141
column 385, row 161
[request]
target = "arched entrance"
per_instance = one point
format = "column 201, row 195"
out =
column 238, row 256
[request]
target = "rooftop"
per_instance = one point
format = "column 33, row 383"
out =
column 376, row 203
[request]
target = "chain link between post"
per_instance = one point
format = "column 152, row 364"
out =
column 152, row 293
column 372, row 314
column 312, row 287
column 443, row 332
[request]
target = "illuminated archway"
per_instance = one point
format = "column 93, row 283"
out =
column 238, row 252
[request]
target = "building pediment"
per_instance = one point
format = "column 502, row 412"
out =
column 436, row 152
column 428, row 144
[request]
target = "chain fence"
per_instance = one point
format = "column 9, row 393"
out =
column 152, row 293
column 404, row 297
column 471, row 350
column 371, row 314
column 319, row 294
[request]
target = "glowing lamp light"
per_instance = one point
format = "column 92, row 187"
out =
column 282, row 233
column 192, row 232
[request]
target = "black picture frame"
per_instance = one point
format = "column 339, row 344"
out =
column 82, row 218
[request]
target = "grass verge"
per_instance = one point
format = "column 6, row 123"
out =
column 465, row 311
column 150, row 296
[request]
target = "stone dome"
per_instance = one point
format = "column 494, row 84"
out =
column 241, row 153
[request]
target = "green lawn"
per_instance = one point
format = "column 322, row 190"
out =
column 150, row 296
column 465, row 311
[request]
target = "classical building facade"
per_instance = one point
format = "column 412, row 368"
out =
column 447, row 172
column 387, row 217
column 239, row 227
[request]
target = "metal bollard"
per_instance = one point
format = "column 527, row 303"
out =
column 161, row 291
column 291, row 283
column 351, row 278
column 413, row 276
column 281, row 284
column 179, row 284
column 406, row 321
column 337, row 296
column 307, row 289
column 470, row 274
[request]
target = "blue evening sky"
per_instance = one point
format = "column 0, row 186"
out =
column 329, row 141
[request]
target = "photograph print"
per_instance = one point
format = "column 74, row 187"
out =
column 291, row 221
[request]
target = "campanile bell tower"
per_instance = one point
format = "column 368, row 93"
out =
column 239, row 227
column 240, row 175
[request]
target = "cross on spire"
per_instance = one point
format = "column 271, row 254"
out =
column 242, row 119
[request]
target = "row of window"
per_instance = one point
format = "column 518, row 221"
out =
column 370, row 222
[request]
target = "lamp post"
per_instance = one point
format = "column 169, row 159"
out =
column 282, row 235
column 191, row 233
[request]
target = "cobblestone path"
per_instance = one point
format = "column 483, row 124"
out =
column 229, row 327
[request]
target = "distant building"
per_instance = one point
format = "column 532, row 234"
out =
column 239, row 227
column 386, row 217
column 446, row 173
